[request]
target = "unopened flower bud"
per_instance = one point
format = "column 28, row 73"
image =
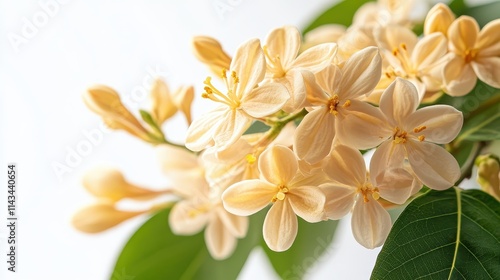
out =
column 109, row 184
column 209, row 51
column 488, row 174
column 438, row 19
column 105, row 102
column 163, row 106
column 100, row 217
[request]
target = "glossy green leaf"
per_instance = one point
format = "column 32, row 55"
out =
column 313, row 240
column 341, row 13
column 485, row 13
column 452, row 234
column 257, row 127
column 484, row 126
column 458, row 7
column 154, row 252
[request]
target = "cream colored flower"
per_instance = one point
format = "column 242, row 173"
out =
column 204, row 210
column 384, row 12
column 166, row 103
column 109, row 184
column 473, row 54
column 354, row 189
column 355, row 39
column 419, row 61
column 328, row 33
column 241, row 104
column 438, row 19
column 105, row 102
column 99, row 217
column 342, row 88
column 290, row 192
column 209, row 51
column 408, row 134
column 286, row 66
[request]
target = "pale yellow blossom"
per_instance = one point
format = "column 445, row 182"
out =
column 438, row 19
column 290, row 193
column 473, row 54
column 209, row 51
column 241, row 104
column 328, row 33
column 408, row 134
column 384, row 12
column 99, row 217
column 339, row 97
column 166, row 103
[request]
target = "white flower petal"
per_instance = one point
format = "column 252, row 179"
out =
column 361, row 73
column 339, row 200
column 284, row 42
column 307, row 202
column 280, row 226
column 232, row 125
column 370, row 223
column 248, row 197
column 346, row 166
column 187, row 217
column 249, row 64
column 398, row 101
column 220, row 242
column 237, row 225
column 200, row 132
column 265, row 100
column 278, row 164
column 488, row 70
column 316, row 58
column 442, row 123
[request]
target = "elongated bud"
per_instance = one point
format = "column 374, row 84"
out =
column 105, row 102
column 438, row 19
column 163, row 105
column 209, row 51
column 100, row 217
column 109, row 183
column 488, row 174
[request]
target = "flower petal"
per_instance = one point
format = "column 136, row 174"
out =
column 249, row 64
column 339, row 200
column 462, row 34
column 398, row 101
column 220, row 242
column 364, row 127
column 396, row 185
column 232, row 125
column 489, row 39
column 187, row 217
column 429, row 50
column 307, row 202
column 278, row 164
column 459, row 77
column 371, row 223
column 386, row 157
column 488, row 70
column 314, row 135
column 280, row 226
column 284, row 42
column 433, row 165
column 329, row 80
column 316, row 58
column 237, row 225
column 442, row 123
column 200, row 132
column 361, row 73
column 346, row 166
column 248, row 197
column 265, row 100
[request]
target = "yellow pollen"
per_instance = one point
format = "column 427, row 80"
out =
column 223, row 73
column 470, row 55
column 388, row 75
column 368, row 190
column 395, row 52
column 281, row 194
column 347, row 103
column 421, row 138
column 419, row 128
column 332, row 104
column 399, row 136
column 250, row 158
column 403, row 46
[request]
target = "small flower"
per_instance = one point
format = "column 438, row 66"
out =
column 342, row 88
column 109, row 184
column 438, row 19
column 354, row 189
column 241, row 104
column 290, row 192
column 408, row 134
column 473, row 54
column 328, row 33
column 105, row 102
column 286, row 66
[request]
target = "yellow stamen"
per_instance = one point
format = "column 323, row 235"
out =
column 470, row 55
column 419, row 128
column 399, row 136
column 223, row 74
column 347, row 103
column 332, row 104
column 421, row 138
column 281, row 194
column 250, row 158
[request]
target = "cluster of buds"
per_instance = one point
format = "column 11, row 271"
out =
column 352, row 89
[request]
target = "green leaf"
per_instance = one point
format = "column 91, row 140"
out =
column 341, row 13
column 458, row 7
column 483, row 126
column 257, row 127
column 452, row 234
column 484, row 13
column 311, row 242
column 154, row 252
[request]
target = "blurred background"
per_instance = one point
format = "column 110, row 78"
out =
column 50, row 52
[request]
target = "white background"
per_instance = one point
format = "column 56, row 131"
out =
column 44, row 121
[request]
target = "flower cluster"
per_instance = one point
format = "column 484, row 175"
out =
column 358, row 88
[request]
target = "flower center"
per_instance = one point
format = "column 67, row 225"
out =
column 230, row 98
column 368, row 190
column 333, row 103
column 402, row 54
column 274, row 64
column 399, row 136
column 470, row 55
column 280, row 195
